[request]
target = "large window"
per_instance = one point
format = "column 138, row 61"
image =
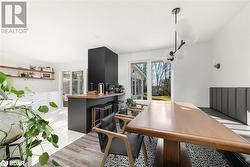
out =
column 139, row 80
column 151, row 80
column 161, row 80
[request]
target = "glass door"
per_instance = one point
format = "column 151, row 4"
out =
column 66, row 87
column 77, row 82
column 73, row 84
column 139, row 80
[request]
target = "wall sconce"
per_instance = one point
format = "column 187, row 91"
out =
column 217, row 66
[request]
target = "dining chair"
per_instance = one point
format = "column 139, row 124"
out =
column 123, row 112
column 136, row 107
column 112, row 142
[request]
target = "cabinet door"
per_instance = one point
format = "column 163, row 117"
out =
column 111, row 67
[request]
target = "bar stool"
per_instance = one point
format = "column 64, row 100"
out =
column 14, row 134
column 100, row 111
column 116, row 105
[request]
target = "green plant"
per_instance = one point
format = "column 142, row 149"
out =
column 36, row 129
column 129, row 102
column 116, row 88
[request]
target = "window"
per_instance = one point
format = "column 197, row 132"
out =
column 139, row 80
column 161, row 80
column 157, row 73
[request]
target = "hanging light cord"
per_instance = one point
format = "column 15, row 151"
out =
column 172, row 53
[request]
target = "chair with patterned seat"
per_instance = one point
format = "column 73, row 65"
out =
column 112, row 142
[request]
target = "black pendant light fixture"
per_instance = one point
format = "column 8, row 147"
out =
column 175, row 12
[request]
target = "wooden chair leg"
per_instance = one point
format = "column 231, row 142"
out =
column 145, row 153
column 106, row 153
column 130, row 155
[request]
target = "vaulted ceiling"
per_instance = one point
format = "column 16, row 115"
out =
column 60, row 31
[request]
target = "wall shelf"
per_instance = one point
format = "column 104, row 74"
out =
column 28, row 70
column 25, row 69
column 12, row 76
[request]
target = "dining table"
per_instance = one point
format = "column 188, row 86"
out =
column 179, row 122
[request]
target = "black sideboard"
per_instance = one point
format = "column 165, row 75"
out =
column 231, row 101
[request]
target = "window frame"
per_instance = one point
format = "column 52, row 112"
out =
column 149, row 77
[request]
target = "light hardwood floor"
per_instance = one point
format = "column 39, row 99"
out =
column 85, row 152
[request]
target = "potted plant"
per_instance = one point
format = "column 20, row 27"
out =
column 129, row 102
column 36, row 130
column 119, row 88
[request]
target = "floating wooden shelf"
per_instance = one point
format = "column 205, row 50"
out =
column 12, row 76
column 28, row 70
column 25, row 69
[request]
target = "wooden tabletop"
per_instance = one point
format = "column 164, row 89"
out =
column 91, row 96
column 184, row 122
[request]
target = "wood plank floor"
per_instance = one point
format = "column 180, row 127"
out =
column 85, row 152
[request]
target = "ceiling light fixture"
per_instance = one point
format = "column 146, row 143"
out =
column 172, row 54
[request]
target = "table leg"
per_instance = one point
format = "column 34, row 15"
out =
column 171, row 153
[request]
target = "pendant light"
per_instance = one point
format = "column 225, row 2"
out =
column 184, row 31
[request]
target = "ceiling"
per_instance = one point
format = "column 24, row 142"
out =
column 60, row 31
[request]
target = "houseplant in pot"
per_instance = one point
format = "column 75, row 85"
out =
column 36, row 130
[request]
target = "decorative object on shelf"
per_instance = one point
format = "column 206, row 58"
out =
column 46, row 75
column 35, row 131
column 217, row 66
column 101, row 88
column 184, row 30
column 116, row 88
column 33, row 72
column 119, row 89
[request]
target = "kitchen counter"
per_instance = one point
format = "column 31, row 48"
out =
column 79, row 109
column 95, row 96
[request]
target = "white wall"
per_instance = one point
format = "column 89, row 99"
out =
column 231, row 48
column 192, row 74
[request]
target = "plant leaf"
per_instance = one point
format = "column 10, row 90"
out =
column 9, row 83
column 55, row 145
column 44, row 135
column 34, row 144
column 43, row 159
column 28, row 152
column 55, row 138
column 43, row 109
column 53, row 104
column 35, row 132
column 18, row 93
column 2, row 77
column 55, row 163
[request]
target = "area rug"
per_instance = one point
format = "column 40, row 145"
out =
column 122, row 161
column 200, row 156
